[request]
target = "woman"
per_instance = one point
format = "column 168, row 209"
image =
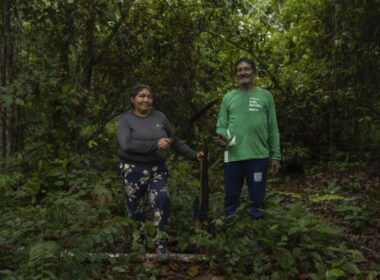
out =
column 145, row 136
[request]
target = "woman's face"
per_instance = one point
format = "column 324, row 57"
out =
column 142, row 102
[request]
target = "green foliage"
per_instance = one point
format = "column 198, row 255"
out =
column 73, row 63
column 293, row 240
column 64, row 234
column 358, row 216
column 43, row 257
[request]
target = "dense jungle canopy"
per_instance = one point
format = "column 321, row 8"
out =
column 67, row 67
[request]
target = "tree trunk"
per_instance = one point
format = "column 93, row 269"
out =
column 64, row 67
column 87, row 75
column 333, row 80
column 91, row 59
column 5, row 69
column 89, row 54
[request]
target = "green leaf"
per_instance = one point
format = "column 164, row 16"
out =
column 273, row 227
column 5, row 272
column 65, row 88
column 336, row 272
column 59, row 183
column 43, row 250
column 92, row 143
column 323, row 228
column 19, row 101
column 320, row 268
column 293, row 230
column 119, row 269
column 326, row 197
column 291, row 194
column 182, row 244
column 297, row 252
column 6, row 100
column 316, row 257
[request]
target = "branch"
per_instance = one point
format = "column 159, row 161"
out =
column 372, row 108
column 186, row 258
column 101, row 128
column 115, row 28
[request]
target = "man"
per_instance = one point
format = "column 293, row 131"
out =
column 247, row 128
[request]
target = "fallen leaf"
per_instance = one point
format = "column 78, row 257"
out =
column 148, row 265
column 193, row 270
column 209, row 276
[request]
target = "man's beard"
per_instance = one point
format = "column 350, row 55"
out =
column 245, row 81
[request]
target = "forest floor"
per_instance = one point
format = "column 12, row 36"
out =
column 323, row 224
column 360, row 220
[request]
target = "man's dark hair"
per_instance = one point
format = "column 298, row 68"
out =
column 139, row 87
column 246, row 60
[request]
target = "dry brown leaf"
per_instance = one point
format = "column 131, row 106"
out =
column 303, row 276
column 209, row 276
column 148, row 265
column 193, row 270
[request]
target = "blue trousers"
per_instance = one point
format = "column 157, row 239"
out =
column 255, row 172
column 138, row 180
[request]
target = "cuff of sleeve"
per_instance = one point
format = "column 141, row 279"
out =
column 195, row 157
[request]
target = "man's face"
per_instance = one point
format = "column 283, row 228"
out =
column 244, row 73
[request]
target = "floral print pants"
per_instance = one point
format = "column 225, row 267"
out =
column 139, row 179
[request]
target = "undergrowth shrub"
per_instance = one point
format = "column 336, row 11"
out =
column 51, row 230
column 289, row 241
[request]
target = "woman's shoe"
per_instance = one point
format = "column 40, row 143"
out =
column 162, row 251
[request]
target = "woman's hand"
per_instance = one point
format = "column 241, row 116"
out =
column 164, row 144
column 200, row 155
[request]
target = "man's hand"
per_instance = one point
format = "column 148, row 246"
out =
column 164, row 144
column 220, row 140
column 275, row 166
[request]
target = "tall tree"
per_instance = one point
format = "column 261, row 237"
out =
column 6, row 58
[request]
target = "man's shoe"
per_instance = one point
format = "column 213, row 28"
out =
column 162, row 251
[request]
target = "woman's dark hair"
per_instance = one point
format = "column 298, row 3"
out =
column 139, row 87
column 246, row 60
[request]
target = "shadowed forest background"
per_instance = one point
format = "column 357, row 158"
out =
column 67, row 67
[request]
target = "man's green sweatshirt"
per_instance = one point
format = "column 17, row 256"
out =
column 248, row 120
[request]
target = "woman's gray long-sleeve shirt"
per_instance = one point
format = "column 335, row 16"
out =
column 138, row 138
